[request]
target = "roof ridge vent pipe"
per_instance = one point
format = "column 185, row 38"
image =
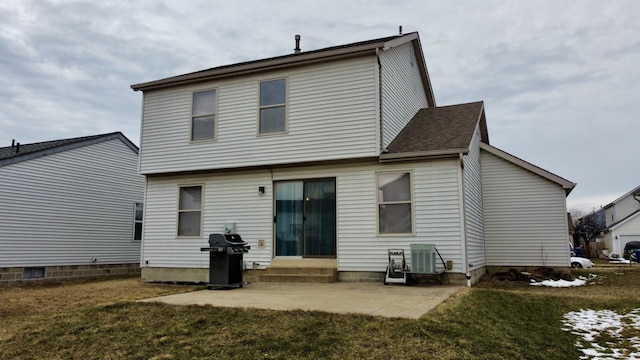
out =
column 297, row 49
column 13, row 143
column 17, row 148
column 400, row 30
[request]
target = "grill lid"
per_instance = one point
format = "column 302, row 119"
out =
column 224, row 240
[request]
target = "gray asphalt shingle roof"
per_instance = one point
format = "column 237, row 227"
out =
column 439, row 131
column 14, row 154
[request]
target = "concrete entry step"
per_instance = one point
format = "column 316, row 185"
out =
column 299, row 274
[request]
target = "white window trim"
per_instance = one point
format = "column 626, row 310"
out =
column 411, row 202
column 286, row 108
column 178, row 211
column 215, row 117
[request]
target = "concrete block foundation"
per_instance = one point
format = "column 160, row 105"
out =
column 15, row 275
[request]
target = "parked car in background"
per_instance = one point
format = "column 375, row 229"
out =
column 577, row 261
column 631, row 250
column 580, row 262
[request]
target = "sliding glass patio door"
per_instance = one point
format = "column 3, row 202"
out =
column 305, row 220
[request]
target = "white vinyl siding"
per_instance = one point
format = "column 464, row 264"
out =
column 69, row 207
column 402, row 90
column 332, row 113
column 473, row 203
column 234, row 197
column 226, row 198
column 525, row 216
column 621, row 209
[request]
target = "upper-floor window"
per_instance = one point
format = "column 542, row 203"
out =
column 137, row 221
column 190, row 211
column 203, row 115
column 395, row 203
column 273, row 107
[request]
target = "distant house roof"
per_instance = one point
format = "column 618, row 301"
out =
column 369, row 47
column 438, row 131
column 634, row 192
column 566, row 184
column 22, row 152
column 626, row 218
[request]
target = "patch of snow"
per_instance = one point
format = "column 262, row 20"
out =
column 619, row 261
column 559, row 283
column 591, row 325
column 590, row 277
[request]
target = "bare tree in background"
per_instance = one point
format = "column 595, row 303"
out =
column 589, row 226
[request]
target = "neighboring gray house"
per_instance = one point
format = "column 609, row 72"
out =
column 623, row 221
column 328, row 158
column 70, row 208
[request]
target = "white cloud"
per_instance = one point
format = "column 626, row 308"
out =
column 558, row 79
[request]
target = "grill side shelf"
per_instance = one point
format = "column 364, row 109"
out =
column 213, row 249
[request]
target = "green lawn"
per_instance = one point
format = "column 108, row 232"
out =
column 491, row 321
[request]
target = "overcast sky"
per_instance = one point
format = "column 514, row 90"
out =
column 559, row 79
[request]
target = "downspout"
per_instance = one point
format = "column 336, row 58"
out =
column 382, row 148
column 463, row 214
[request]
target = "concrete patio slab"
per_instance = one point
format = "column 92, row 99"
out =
column 341, row 297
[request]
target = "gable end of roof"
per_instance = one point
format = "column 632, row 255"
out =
column 634, row 192
column 627, row 218
column 566, row 184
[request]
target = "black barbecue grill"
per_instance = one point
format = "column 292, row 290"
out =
column 225, row 260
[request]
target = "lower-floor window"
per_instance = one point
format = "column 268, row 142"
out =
column 395, row 203
column 190, row 211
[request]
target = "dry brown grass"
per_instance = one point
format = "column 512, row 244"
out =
column 496, row 320
column 606, row 284
column 19, row 304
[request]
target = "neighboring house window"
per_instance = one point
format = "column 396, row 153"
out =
column 33, row 273
column 395, row 203
column 190, row 211
column 137, row 221
column 203, row 115
column 273, row 106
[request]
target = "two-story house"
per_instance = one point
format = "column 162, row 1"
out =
column 622, row 217
column 328, row 158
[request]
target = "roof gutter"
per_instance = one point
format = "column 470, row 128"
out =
column 422, row 155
